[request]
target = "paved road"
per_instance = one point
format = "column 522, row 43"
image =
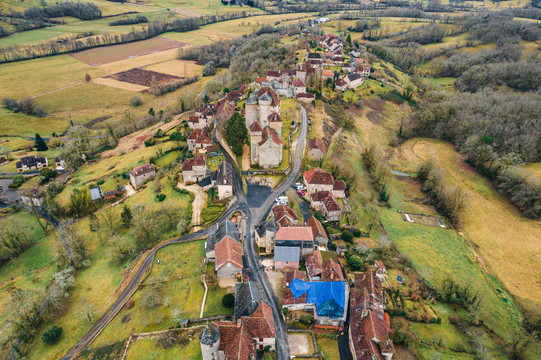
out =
column 254, row 216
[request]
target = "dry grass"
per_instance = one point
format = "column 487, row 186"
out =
column 507, row 243
column 143, row 60
column 120, row 84
column 179, row 68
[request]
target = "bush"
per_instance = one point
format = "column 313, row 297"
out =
column 136, row 101
column 355, row 262
column 100, row 182
column 209, row 69
column 52, row 335
column 306, row 319
column 357, row 233
column 347, row 236
column 18, row 180
column 24, row 106
column 228, row 301
column 46, row 174
column 161, row 197
column 150, row 142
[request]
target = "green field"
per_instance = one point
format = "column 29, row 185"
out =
column 148, row 349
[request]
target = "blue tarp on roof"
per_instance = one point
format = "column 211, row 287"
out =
column 329, row 296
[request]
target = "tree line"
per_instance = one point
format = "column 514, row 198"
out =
column 497, row 130
column 17, row 53
column 82, row 11
column 139, row 19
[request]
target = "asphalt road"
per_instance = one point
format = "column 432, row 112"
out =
column 254, row 216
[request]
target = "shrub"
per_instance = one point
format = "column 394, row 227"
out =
column 150, row 142
column 52, row 335
column 46, row 174
column 399, row 338
column 355, row 262
column 285, row 311
column 306, row 319
column 356, row 232
column 228, row 301
column 136, row 101
column 347, row 236
column 18, row 180
column 161, row 197
column 100, row 182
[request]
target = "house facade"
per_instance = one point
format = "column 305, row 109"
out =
column 260, row 105
column 32, row 162
column 228, row 264
column 194, row 169
column 296, row 236
column 222, row 180
column 141, row 174
column 316, row 149
column 199, row 140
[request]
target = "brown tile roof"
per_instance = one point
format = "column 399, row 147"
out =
column 228, row 250
column 299, row 83
column 339, row 185
column 260, row 79
column 196, row 133
column 318, row 176
column 331, row 204
column 272, row 73
column 287, row 296
column 314, row 263
column 340, row 82
column 143, row 169
column 267, row 134
column 331, row 271
column 317, row 227
column 275, row 98
column 193, row 119
column 285, row 222
column 305, row 95
column 368, row 281
column 316, row 143
column 274, row 117
column 196, row 161
column 261, row 323
column 298, row 233
column 319, row 196
column 255, row 127
column 204, row 139
column 281, row 211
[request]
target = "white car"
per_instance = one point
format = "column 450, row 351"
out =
column 282, row 199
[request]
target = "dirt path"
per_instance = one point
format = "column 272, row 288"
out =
column 245, row 157
column 199, row 203
column 130, row 190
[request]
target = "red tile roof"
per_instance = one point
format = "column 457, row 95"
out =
column 141, row 170
column 267, row 134
column 196, row 161
column 314, row 263
column 305, row 95
column 299, row 83
column 261, row 323
column 287, row 296
column 368, row 281
column 260, row 79
column 316, row 143
column 274, row 117
column 272, row 73
column 339, row 185
column 317, row 227
column 281, row 211
column 327, row 73
column 331, row 271
column 318, row 176
column 319, row 196
column 298, row 233
column 255, row 127
column 340, row 82
column 228, row 250
column 331, row 204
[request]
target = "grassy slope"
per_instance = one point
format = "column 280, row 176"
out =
column 148, row 349
column 505, row 240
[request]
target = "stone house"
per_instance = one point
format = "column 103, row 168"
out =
column 228, row 264
column 216, row 234
column 354, row 80
column 305, row 97
column 28, row 163
column 316, row 149
column 341, row 85
column 140, row 174
column 286, row 257
column 331, row 209
column 327, row 74
column 295, row 236
column 339, row 189
column 318, row 180
column 316, row 199
column 241, row 339
column 60, row 163
column 284, row 216
column 267, row 150
column 320, row 236
column 194, row 169
column 299, row 86
column 199, row 139
column 265, row 235
column 222, row 179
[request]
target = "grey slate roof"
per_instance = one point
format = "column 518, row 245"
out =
column 95, row 193
column 287, row 253
column 221, row 230
column 205, row 182
column 247, row 298
column 209, row 335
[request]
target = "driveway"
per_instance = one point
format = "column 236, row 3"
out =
column 198, row 204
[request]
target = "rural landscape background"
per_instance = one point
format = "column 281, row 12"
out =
column 446, row 126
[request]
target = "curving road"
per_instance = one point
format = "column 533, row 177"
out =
column 254, row 216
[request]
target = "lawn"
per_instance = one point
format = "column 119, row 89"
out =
column 505, row 240
column 437, row 253
column 329, row 348
column 31, row 270
column 179, row 272
column 148, row 349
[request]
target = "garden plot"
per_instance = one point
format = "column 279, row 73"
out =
column 424, row 219
column 142, row 77
column 109, row 54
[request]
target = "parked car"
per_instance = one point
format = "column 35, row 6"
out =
column 301, row 193
column 301, row 187
column 282, row 199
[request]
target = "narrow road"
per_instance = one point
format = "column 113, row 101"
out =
column 254, row 270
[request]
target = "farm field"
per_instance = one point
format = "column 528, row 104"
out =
column 149, row 349
column 505, row 241
column 108, row 54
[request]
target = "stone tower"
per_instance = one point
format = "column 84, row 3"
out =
column 209, row 338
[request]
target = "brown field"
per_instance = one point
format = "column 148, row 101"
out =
column 140, row 61
column 143, row 77
column 508, row 243
column 175, row 67
column 108, row 54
